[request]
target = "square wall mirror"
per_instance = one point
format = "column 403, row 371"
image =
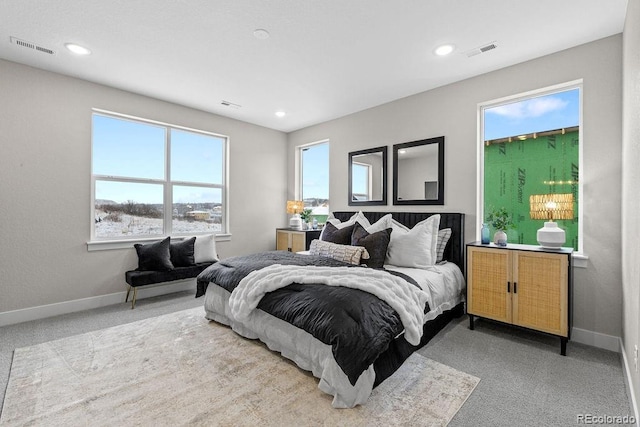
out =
column 418, row 172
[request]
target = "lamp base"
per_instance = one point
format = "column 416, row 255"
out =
column 551, row 236
column 295, row 222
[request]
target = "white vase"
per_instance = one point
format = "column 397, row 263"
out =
column 500, row 238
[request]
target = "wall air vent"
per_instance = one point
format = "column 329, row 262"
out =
column 33, row 46
column 481, row 49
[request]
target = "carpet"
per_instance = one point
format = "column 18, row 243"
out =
column 180, row 369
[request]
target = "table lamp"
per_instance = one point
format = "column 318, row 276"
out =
column 295, row 207
column 550, row 207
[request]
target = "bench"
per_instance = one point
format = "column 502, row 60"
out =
column 166, row 261
column 136, row 278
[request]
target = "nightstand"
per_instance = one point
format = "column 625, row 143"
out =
column 291, row 240
column 522, row 285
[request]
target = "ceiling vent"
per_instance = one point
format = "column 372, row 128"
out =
column 481, row 49
column 33, row 46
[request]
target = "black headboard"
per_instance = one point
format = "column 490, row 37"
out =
column 454, row 252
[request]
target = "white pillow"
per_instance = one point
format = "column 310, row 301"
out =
column 380, row 225
column 415, row 248
column 204, row 249
column 345, row 253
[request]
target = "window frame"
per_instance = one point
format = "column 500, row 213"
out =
column 299, row 168
column 578, row 255
column 101, row 243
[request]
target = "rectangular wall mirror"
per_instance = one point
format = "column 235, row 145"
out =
column 368, row 177
column 418, row 172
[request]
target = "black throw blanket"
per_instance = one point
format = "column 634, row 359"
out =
column 357, row 325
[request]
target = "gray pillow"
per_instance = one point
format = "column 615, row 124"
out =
column 182, row 253
column 154, row 256
column 333, row 234
column 375, row 243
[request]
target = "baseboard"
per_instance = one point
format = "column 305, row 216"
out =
column 595, row 339
column 627, row 370
column 49, row 310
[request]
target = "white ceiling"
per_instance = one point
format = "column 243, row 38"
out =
column 324, row 58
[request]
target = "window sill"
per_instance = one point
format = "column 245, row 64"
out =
column 580, row 260
column 105, row 245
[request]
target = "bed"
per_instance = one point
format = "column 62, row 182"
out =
column 352, row 336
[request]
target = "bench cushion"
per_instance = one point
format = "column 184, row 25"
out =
column 140, row 278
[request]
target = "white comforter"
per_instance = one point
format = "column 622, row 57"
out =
column 406, row 299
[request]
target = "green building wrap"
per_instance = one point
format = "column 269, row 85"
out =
column 515, row 170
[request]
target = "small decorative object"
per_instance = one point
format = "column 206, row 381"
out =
column 306, row 216
column 314, row 223
column 295, row 207
column 500, row 220
column 550, row 207
column 484, row 234
column 500, row 238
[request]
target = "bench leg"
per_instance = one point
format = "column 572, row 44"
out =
column 133, row 301
column 127, row 297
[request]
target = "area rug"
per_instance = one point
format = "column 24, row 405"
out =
column 180, row 369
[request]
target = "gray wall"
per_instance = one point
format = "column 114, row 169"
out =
column 452, row 111
column 45, row 175
column 630, row 186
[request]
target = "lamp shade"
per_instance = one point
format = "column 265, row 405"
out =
column 550, row 207
column 295, row 206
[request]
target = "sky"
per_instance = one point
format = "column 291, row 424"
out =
column 555, row 111
column 315, row 171
column 132, row 149
column 124, row 148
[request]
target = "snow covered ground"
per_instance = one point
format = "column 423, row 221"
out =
column 142, row 226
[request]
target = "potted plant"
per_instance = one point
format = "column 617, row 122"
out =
column 500, row 220
column 306, row 217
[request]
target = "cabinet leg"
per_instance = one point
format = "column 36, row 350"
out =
column 563, row 346
column 471, row 322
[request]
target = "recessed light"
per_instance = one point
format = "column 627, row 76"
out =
column 280, row 113
column 444, row 50
column 402, row 151
column 77, row 49
column 261, row 34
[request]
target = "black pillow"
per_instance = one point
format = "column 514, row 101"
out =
column 376, row 244
column 333, row 234
column 154, row 256
column 182, row 253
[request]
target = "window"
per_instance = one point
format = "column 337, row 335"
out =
column 314, row 178
column 532, row 146
column 152, row 179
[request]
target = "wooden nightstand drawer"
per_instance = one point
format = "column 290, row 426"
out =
column 295, row 240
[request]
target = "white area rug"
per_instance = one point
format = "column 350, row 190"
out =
column 180, row 369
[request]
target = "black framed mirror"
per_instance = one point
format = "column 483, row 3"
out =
column 368, row 177
column 418, row 172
